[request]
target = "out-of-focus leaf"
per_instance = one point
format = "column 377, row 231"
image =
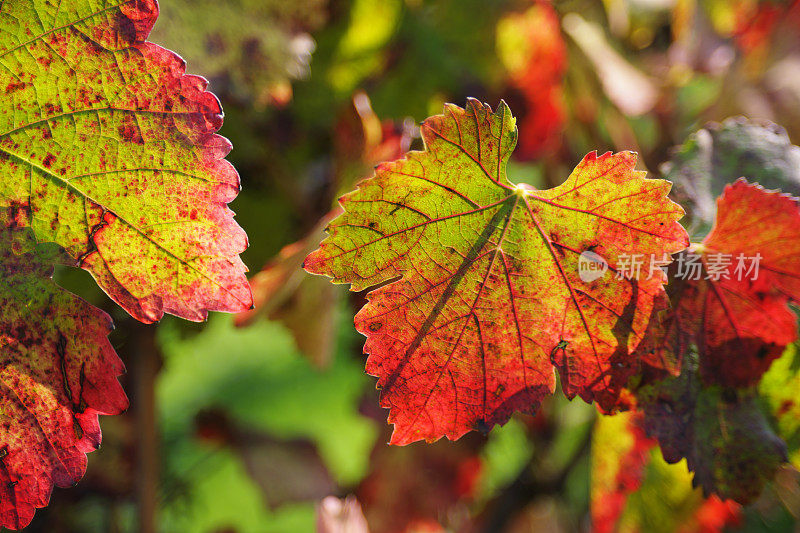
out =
column 361, row 50
column 719, row 154
column 620, row 452
column 362, row 140
column 483, row 262
column 734, row 309
column 221, row 496
column 306, row 305
column 58, row 372
column 263, row 384
column 113, row 149
column 532, row 49
column 411, row 487
column 634, row 490
column 780, row 388
column 626, row 86
column 340, row 516
column 504, row 455
column 286, row 470
column 251, row 49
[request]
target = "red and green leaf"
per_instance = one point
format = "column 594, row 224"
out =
column 113, row 149
column 58, row 372
column 480, row 295
column 725, row 329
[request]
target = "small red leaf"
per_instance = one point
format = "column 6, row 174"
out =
column 58, row 371
column 739, row 318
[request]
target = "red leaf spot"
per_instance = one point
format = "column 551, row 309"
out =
column 15, row 86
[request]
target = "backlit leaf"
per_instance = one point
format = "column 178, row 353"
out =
column 489, row 299
column 58, row 372
column 113, row 149
column 740, row 322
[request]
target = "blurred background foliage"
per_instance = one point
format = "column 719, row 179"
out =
column 244, row 424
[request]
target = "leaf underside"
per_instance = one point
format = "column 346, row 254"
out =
column 741, row 322
column 486, row 299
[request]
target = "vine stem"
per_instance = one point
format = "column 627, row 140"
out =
column 146, row 364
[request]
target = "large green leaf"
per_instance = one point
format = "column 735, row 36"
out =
column 112, row 149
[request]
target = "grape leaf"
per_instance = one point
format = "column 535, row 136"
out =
column 251, row 48
column 740, row 324
column 114, row 150
column 488, row 298
column 719, row 154
column 722, row 432
column 726, row 333
column 58, row 372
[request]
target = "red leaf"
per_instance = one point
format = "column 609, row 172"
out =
column 533, row 49
column 58, row 372
column 741, row 325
